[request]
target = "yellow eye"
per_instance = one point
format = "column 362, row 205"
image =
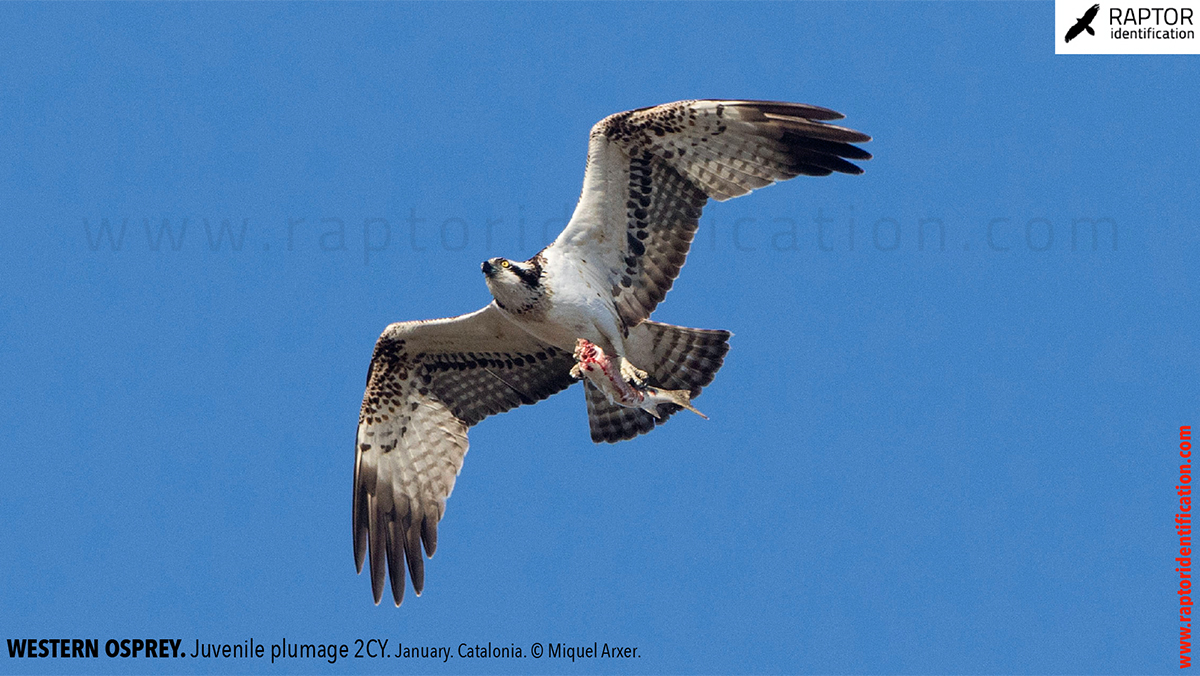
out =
column 504, row 264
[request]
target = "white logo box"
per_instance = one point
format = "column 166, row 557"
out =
column 1139, row 27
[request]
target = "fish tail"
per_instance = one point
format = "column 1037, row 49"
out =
column 683, row 399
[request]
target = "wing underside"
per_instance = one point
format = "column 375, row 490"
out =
column 651, row 171
column 428, row 383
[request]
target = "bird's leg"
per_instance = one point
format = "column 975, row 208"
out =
column 632, row 374
column 615, row 338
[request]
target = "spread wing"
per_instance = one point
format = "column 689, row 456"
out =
column 428, row 382
column 650, row 172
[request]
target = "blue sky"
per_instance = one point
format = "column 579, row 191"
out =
column 922, row 458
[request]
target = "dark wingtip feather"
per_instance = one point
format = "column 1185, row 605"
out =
column 820, row 130
column 377, row 587
column 796, row 142
column 429, row 535
column 358, row 516
column 833, row 132
column 395, row 561
column 360, row 544
column 416, row 565
column 377, row 548
column 811, row 170
column 804, row 110
column 808, row 153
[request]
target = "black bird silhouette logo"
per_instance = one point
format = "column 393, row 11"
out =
column 1084, row 23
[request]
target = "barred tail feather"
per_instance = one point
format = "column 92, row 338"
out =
column 676, row 358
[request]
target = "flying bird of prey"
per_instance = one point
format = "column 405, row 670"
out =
column 649, row 173
column 1084, row 23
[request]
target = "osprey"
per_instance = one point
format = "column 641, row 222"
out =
column 649, row 173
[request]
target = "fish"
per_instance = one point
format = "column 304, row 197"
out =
column 593, row 364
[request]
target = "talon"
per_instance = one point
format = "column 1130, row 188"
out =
column 632, row 374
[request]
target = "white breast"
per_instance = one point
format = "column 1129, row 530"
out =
column 579, row 304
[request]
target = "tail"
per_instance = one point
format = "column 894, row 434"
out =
column 676, row 358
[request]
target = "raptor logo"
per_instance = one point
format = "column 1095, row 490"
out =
column 1084, row 23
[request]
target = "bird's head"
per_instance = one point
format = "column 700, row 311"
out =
column 516, row 285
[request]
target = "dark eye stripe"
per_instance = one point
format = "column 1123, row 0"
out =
column 531, row 276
